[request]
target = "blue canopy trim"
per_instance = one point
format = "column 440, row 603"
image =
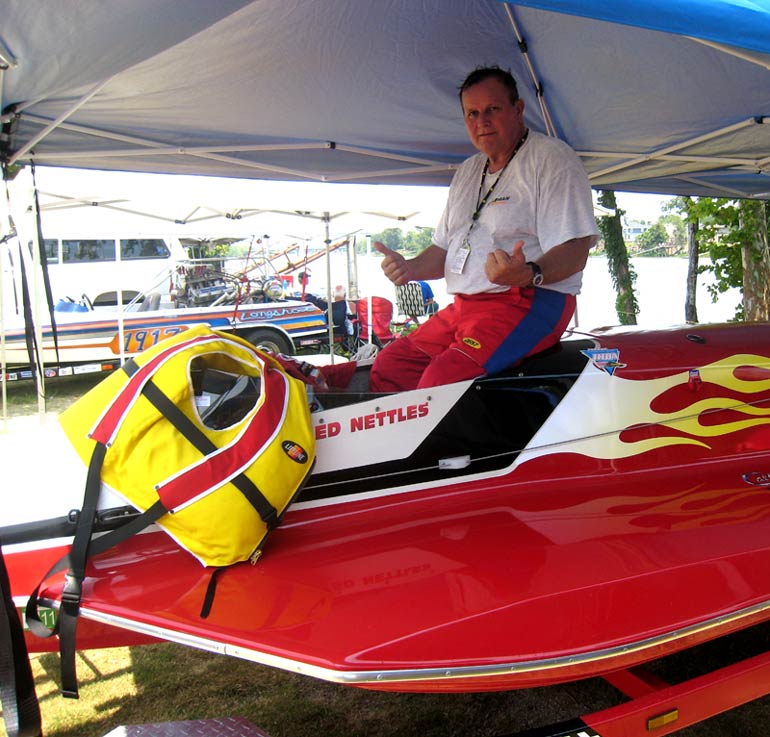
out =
column 741, row 23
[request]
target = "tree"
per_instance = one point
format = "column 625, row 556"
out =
column 409, row 244
column 687, row 206
column 735, row 235
column 673, row 222
column 651, row 241
column 417, row 241
column 393, row 238
column 716, row 217
column 621, row 272
column 755, row 259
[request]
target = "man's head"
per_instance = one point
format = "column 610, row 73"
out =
column 493, row 113
column 501, row 75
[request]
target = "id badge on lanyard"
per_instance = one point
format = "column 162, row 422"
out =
column 461, row 257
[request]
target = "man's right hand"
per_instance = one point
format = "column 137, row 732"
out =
column 394, row 265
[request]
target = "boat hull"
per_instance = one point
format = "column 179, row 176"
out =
column 477, row 590
column 623, row 516
column 104, row 336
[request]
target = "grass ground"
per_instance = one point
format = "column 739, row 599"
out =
column 165, row 682
column 22, row 397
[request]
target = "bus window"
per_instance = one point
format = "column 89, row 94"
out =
column 51, row 247
column 78, row 251
column 89, row 267
column 149, row 248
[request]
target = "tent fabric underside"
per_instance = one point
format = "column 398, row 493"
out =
column 654, row 96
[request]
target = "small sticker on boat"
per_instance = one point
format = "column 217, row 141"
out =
column 605, row 359
column 295, row 451
column 757, row 478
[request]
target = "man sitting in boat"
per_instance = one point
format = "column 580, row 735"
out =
column 512, row 245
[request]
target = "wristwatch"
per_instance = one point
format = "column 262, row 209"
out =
column 537, row 273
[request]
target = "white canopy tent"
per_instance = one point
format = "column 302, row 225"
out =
column 200, row 206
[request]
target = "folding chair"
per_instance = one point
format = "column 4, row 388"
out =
column 409, row 300
column 381, row 317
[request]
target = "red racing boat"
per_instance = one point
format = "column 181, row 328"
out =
column 597, row 507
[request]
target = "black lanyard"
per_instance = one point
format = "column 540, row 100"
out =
column 480, row 202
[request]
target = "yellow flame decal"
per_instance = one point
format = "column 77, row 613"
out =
column 624, row 405
column 689, row 419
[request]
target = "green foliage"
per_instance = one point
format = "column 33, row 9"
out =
column 410, row 243
column 621, row 272
column 235, row 250
column 720, row 237
column 218, row 247
column 393, row 238
column 417, row 241
column 166, row 683
column 729, row 232
column 679, row 236
column 651, row 241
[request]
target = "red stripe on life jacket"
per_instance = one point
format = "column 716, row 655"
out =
column 108, row 424
column 216, row 469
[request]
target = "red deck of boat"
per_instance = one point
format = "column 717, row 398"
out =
column 487, row 586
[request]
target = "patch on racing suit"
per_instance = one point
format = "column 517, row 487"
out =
column 472, row 343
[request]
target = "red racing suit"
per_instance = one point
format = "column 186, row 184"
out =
column 476, row 335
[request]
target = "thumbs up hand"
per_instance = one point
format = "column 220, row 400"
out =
column 394, row 265
column 508, row 269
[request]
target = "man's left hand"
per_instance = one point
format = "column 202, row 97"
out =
column 508, row 269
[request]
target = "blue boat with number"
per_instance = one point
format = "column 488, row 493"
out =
column 97, row 337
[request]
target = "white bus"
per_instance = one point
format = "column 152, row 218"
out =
column 96, row 270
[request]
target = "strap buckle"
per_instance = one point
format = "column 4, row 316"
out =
column 71, row 595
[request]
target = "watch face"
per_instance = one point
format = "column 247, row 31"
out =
column 537, row 274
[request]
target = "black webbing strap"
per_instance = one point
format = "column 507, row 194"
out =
column 75, row 560
column 33, row 352
column 83, row 545
column 98, row 545
column 43, row 257
column 193, row 433
column 211, row 589
column 78, row 555
column 21, row 710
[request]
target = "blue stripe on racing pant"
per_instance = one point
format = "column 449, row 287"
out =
column 542, row 320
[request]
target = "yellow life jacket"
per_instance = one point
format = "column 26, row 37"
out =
column 219, row 469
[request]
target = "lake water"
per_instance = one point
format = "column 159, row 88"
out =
column 661, row 285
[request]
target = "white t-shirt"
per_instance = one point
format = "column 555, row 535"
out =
column 543, row 198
